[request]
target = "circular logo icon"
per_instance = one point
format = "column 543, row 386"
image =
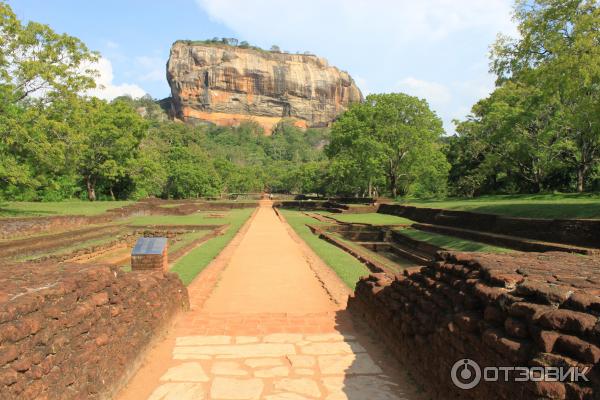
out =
column 466, row 374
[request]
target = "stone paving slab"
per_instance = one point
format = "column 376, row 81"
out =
column 274, row 366
column 186, row 372
column 237, row 350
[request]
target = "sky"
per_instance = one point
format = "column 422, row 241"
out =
column 433, row 49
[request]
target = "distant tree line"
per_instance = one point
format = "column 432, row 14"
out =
column 538, row 131
column 58, row 143
column 234, row 42
column 540, row 128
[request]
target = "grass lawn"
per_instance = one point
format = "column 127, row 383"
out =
column 532, row 206
column 185, row 239
column 369, row 218
column 451, row 242
column 348, row 268
column 190, row 265
column 59, row 251
column 70, row 207
column 199, row 218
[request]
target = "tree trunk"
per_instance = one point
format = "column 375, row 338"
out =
column 112, row 194
column 393, row 186
column 91, row 190
column 581, row 175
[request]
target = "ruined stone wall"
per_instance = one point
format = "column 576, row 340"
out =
column 18, row 227
column 224, row 206
column 579, row 232
column 310, row 205
column 301, row 205
column 498, row 310
column 78, row 332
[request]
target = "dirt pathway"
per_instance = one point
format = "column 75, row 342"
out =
column 268, row 274
column 267, row 321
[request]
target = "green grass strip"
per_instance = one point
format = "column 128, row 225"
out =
column 551, row 206
column 369, row 218
column 68, row 207
column 190, row 265
column 348, row 268
column 61, row 251
column 185, row 239
column 451, row 242
column 199, row 218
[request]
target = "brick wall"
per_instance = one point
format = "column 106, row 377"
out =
column 155, row 262
column 15, row 227
column 579, row 232
column 78, row 332
column 498, row 310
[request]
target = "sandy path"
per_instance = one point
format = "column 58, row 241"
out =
column 267, row 321
column 268, row 274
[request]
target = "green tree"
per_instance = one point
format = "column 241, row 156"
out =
column 148, row 170
column 191, row 174
column 559, row 53
column 40, row 71
column 110, row 136
column 390, row 135
column 509, row 134
column 34, row 59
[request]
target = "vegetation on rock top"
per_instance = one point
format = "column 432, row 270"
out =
column 233, row 42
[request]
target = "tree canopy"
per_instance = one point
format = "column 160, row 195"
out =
column 393, row 138
column 540, row 129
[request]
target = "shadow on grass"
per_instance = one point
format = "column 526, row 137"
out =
column 452, row 243
column 538, row 209
column 13, row 212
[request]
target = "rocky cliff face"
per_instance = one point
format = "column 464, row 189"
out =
column 226, row 85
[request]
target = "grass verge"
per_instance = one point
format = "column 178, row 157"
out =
column 61, row 251
column 185, row 239
column 71, row 207
column 348, row 268
column 369, row 218
column 451, row 242
column 190, row 265
column 556, row 205
column 199, row 218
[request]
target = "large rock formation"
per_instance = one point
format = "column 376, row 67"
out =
column 225, row 85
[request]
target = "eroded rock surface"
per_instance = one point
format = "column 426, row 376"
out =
column 226, row 85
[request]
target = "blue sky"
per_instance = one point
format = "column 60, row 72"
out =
column 434, row 49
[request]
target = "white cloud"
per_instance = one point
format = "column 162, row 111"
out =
column 433, row 92
column 434, row 49
column 388, row 20
column 153, row 67
column 108, row 90
column 112, row 45
column 362, row 84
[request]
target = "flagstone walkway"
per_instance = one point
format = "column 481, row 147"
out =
column 268, row 321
